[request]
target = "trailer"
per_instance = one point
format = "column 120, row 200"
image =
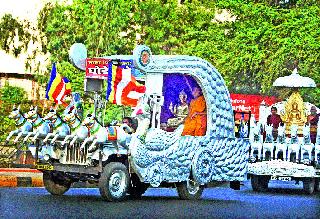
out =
column 291, row 155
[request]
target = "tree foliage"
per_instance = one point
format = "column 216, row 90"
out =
column 12, row 94
column 262, row 40
column 11, row 28
column 266, row 40
column 9, row 95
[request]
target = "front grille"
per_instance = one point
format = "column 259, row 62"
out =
column 75, row 156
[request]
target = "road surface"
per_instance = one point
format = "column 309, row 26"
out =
column 283, row 200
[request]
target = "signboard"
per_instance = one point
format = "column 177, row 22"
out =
column 251, row 102
column 98, row 68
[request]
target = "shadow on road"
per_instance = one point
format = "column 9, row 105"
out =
column 151, row 196
column 282, row 191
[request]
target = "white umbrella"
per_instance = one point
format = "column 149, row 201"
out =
column 294, row 80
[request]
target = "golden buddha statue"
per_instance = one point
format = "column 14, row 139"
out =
column 294, row 113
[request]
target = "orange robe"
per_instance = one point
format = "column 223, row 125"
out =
column 197, row 126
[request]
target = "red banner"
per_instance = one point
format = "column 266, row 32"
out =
column 98, row 68
column 251, row 102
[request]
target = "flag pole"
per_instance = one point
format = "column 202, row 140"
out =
column 123, row 112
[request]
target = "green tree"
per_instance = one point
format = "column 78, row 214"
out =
column 265, row 41
column 8, row 96
column 262, row 41
column 9, row 27
column 97, row 24
column 12, row 94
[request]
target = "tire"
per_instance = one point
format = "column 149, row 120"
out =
column 317, row 185
column 259, row 183
column 55, row 183
column 309, row 185
column 114, row 182
column 189, row 190
column 137, row 188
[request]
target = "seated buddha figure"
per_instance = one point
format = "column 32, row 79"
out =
column 294, row 115
column 179, row 111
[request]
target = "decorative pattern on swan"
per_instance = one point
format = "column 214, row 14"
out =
column 171, row 157
column 168, row 156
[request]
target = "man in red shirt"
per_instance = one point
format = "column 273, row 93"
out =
column 275, row 120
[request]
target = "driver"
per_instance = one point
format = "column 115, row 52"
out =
column 130, row 125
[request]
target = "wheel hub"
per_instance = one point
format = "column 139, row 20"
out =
column 193, row 187
column 117, row 183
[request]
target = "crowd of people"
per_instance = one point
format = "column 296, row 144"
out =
column 275, row 120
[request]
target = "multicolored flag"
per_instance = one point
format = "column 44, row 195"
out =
column 58, row 87
column 122, row 87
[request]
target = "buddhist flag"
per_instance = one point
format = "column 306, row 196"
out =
column 122, row 87
column 58, row 87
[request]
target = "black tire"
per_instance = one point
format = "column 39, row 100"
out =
column 114, row 182
column 317, row 185
column 189, row 190
column 137, row 188
column 309, row 185
column 55, row 183
column 259, row 183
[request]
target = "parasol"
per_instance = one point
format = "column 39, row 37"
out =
column 294, row 80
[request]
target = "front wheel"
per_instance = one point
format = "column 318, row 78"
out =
column 55, row 183
column 309, row 186
column 114, row 182
column 189, row 190
column 259, row 183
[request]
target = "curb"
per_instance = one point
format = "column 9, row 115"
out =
column 18, row 170
column 20, row 177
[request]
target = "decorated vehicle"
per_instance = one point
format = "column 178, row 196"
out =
column 184, row 134
column 290, row 148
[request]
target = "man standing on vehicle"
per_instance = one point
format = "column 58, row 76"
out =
column 313, row 119
column 275, row 120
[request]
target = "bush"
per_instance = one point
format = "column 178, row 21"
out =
column 11, row 94
column 8, row 95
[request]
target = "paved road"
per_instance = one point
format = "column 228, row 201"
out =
column 283, row 200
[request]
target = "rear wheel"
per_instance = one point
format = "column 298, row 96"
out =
column 259, row 183
column 309, row 185
column 189, row 190
column 56, row 183
column 114, row 182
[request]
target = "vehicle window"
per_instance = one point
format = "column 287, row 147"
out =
column 185, row 104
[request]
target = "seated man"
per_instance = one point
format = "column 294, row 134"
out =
column 196, row 121
column 129, row 121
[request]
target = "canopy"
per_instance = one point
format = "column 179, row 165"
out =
column 294, row 80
